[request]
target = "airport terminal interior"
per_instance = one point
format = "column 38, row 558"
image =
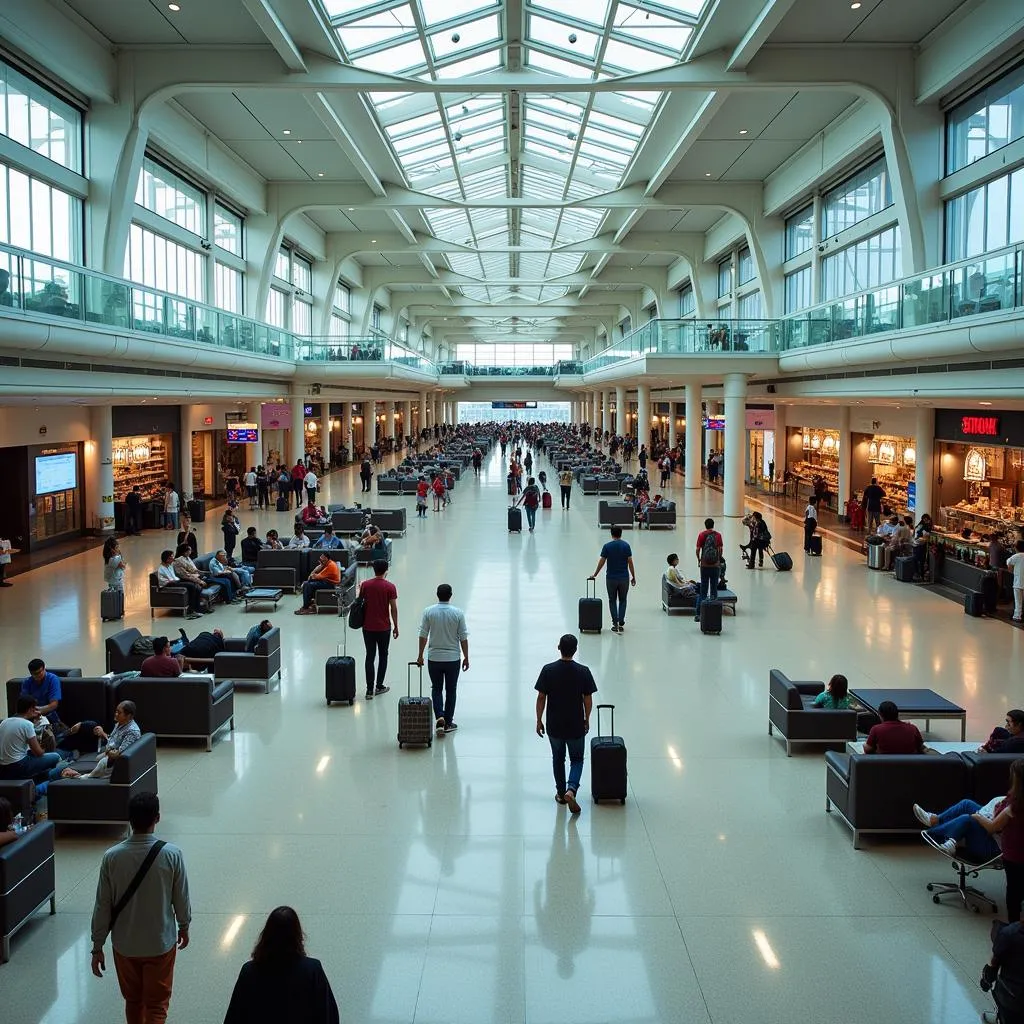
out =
column 781, row 241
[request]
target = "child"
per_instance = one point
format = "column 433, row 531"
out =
column 421, row 498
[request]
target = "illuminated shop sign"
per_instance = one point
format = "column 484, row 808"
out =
column 979, row 426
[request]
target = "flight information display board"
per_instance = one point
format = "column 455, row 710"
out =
column 513, row 405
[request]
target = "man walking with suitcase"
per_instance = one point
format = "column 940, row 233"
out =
column 444, row 626
column 565, row 690
column 618, row 577
column 381, row 596
column 709, row 558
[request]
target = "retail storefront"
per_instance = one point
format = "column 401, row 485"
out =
column 892, row 461
column 813, row 456
column 146, row 455
column 760, row 467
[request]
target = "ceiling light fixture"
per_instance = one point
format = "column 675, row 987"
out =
column 373, row 241
column 287, row 131
column 743, row 131
column 319, row 174
column 174, row 7
column 855, row 6
column 707, row 174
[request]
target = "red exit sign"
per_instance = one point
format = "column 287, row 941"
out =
column 980, row 426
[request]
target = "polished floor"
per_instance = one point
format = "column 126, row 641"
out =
column 445, row 885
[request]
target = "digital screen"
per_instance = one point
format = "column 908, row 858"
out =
column 56, row 472
column 243, row 433
column 307, row 410
column 513, row 405
column 714, row 422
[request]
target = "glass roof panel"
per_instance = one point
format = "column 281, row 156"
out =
column 377, row 28
column 475, row 151
column 339, row 8
column 471, row 66
column 495, row 264
column 564, row 263
column 615, row 124
column 599, row 152
column 596, row 14
column 554, row 122
column 435, row 150
column 533, row 146
column 449, row 225
column 436, row 11
column 476, row 294
column 413, row 126
column 466, row 123
column 383, row 100
column 403, row 59
column 690, row 7
column 545, row 62
column 463, row 263
column 563, row 106
column 651, row 29
column 556, row 35
column 486, row 184
column 469, row 36
column 542, row 183
column 629, row 58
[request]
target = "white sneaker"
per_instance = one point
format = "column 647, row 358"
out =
column 923, row 816
column 949, row 846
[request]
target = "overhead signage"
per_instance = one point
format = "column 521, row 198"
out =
column 979, row 426
column 207, row 421
column 714, row 423
column 243, row 433
column 307, row 410
column 513, row 405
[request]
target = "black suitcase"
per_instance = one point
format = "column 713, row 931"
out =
column 816, row 545
column 515, row 520
column 989, row 592
column 111, row 604
column 781, row 560
column 904, row 567
column 282, row 503
column 415, row 715
column 510, row 482
column 591, row 610
column 340, row 675
column 197, row 510
column 607, row 763
column 711, row 617
column 974, row 603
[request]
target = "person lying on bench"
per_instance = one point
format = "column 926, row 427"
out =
column 125, row 732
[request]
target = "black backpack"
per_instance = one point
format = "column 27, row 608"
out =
column 709, row 550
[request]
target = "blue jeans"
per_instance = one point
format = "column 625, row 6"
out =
column 531, row 515
column 444, row 678
column 575, row 748
column 618, row 592
column 31, row 767
column 171, row 519
column 708, row 586
column 956, row 823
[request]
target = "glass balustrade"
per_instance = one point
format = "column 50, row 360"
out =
column 360, row 350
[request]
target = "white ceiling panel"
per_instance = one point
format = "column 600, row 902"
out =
column 130, row 22
column 327, row 157
column 283, row 111
column 888, row 21
column 760, row 159
column 903, row 20
column 807, row 113
column 269, row 159
column 224, row 115
column 708, row 160
column 750, row 111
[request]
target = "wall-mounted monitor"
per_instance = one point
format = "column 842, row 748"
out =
column 56, row 472
column 243, row 433
column 714, row 422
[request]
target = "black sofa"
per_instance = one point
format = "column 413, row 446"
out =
column 27, row 881
column 188, row 707
column 791, row 713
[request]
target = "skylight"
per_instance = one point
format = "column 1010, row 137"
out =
column 377, row 28
column 437, row 11
column 470, row 35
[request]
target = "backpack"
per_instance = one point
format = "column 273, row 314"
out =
column 709, row 550
column 530, row 497
column 763, row 533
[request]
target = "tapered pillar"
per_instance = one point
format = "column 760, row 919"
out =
column 346, row 426
column 694, row 460
column 671, row 424
column 296, row 438
column 606, row 412
column 924, row 445
column 389, row 421
column 407, row 430
column 620, row 411
column 735, row 447
column 325, row 433
column 99, row 469
column 845, row 460
column 421, row 424
column 643, row 415
column 781, row 446
column 185, row 439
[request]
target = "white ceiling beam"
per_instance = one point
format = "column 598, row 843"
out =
column 767, row 21
column 627, row 225
column 403, row 226
column 699, row 120
column 343, row 137
column 277, row 35
column 428, row 265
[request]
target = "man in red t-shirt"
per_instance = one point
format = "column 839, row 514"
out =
column 709, row 558
column 891, row 736
column 380, row 624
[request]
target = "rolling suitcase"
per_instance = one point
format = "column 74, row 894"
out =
column 282, row 504
column 545, row 500
column 781, row 560
column 974, row 603
column 415, row 715
column 340, row 675
column 711, row 617
column 510, row 482
column 989, row 592
column 607, row 763
column 816, row 545
column 515, row 519
column 904, row 567
column 197, row 510
column 111, row 604
column 591, row 610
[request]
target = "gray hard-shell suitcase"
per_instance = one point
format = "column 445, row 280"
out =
column 111, row 604
column 415, row 715
column 590, row 610
column 607, row 762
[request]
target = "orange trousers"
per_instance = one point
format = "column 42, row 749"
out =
column 146, row 986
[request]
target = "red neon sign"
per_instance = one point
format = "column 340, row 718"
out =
column 979, row 426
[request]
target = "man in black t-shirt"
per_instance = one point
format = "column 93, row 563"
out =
column 566, row 689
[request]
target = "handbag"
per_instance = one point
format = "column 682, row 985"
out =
column 357, row 613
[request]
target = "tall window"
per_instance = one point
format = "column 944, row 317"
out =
column 376, row 318
column 750, row 307
column 343, row 298
column 229, row 265
column 725, row 277
column 339, row 326
column 746, row 266
column 227, row 230
column 687, row 301
column 161, row 263
column 227, row 288
column 986, row 218
column 798, row 290
column 860, row 196
column 169, row 196
column 290, row 300
column 799, row 232
column 39, row 217
column 987, row 121
column 276, row 302
column 869, row 263
column 34, row 117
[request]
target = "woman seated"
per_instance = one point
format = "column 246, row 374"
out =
column 125, row 732
column 313, row 516
column 678, row 580
column 273, row 541
column 835, row 696
column 371, row 536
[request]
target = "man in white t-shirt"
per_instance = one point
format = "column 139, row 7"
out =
column 1015, row 563
column 310, row 480
column 250, row 487
column 172, row 504
column 445, row 627
column 21, row 756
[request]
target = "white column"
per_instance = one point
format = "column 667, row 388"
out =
column 643, row 415
column 296, row 440
column 735, row 448
column 694, row 462
column 711, row 437
column 781, row 445
column 924, row 449
column 423, row 412
column 185, row 440
column 389, row 423
column 620, row 411
column 671, row 424
column 606, row 412
column 845, row 459
column 325, row 432
column 407, row 419
column 99, row 470
column 455, row 412
column 435, row 404
column 595, row 409
column 346, row 429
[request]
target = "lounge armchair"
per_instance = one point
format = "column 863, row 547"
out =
column 338, row 599
column 81, row 700
column 791, row 711
column 27, row 881
column 20, row 792
column 260, row 665
column 174, row 598
column 119, row 651
column 662, row 516
column 280, row 569
column 105, row 801
column 615, row 513
column 189, row 707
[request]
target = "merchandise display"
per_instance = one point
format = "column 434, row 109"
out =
column 142, row 461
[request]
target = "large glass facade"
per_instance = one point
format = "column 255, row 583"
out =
column 34, row 117
column 987, row 121
column 798, row 290
column 799, row 232
column 169, row 196
column 746, row 266
column 159, row 262
column 750, row 307
column 687, row 301
column 516, row 354
column 868, row 263
column 986, row 218
column 39, row 217
column 860, row 196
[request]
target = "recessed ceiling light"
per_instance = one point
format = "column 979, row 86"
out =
column 174, row 7
column 350, row 209
column 743, row 131
column 373, row 241
column 855, row 6
column 287, row 131
column 984, row 403
column 319, row 174
column 707, row 174
column 298, row 142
